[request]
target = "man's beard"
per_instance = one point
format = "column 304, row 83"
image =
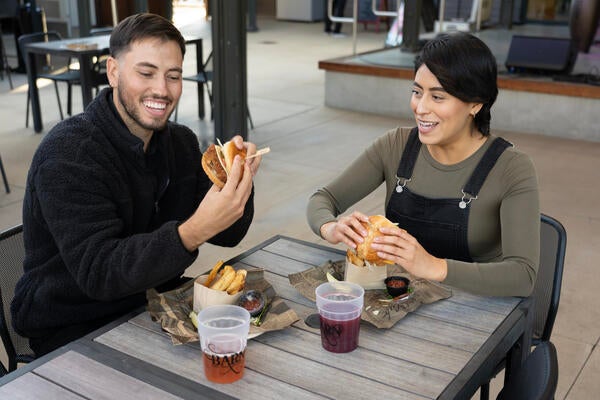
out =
column 133, row 112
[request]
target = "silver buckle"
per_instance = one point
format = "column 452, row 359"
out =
column 400, row 186
column 463, row 204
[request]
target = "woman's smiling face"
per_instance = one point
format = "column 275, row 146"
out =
column 442, row 119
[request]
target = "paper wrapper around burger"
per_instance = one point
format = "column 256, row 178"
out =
column 204, row 297
column 369, row 277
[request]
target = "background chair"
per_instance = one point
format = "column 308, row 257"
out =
column 104, row 30
column 553, row 244
column 536, row 379
column 99, row 64
column 12, row 249
column 203, row 78
column 4, row 65
column 4, row 176
column 51, row 67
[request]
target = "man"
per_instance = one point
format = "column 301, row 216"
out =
column 116, row 200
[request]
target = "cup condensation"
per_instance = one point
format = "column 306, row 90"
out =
column 223, row 331
column 340, row 305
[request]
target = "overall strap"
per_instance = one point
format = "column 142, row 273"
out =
column 409, row 155
column 485, row 165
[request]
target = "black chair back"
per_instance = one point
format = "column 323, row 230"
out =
column 45, row 63
column 536, row 379
column 553, row 244
column 12, row 249
column 105, row 30
column 546, row 292
column 99, row 67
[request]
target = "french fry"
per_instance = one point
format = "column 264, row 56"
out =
column 354, row 258
column 238, row 282
column 213, row 274
column 227, row 276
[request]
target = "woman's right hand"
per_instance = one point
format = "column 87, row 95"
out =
column 348, row 230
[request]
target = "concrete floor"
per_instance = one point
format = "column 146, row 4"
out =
column 311, row 143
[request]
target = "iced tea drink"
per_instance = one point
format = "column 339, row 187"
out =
column 223, row 332
column 222, row 366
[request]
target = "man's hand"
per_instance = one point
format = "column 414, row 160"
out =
column 254, row 162
column 221, row 208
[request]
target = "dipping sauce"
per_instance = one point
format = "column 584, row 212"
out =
column 251, row 304
column 253, row 301
column 396, row 284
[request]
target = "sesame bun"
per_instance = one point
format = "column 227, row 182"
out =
column 364, row 249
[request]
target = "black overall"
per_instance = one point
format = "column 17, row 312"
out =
column 440, row 225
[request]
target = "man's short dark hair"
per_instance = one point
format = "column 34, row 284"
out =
column 142, row 26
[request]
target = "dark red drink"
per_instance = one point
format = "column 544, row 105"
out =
column 340, row 336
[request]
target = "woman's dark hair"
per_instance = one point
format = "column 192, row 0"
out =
column 142, row 26
column 466, row 68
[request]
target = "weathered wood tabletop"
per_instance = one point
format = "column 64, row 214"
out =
column 442, row 350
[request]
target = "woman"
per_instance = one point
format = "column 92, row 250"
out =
column 466, row 202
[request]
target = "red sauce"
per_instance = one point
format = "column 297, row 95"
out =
column 251, row 304
column 396, row 284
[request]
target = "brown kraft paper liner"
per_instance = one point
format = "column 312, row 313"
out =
column 171, row 309
column 379, row 309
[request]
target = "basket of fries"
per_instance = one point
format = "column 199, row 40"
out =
column 223, row 285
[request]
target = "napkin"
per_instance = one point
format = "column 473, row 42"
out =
column 379, row 309
column 171, row 309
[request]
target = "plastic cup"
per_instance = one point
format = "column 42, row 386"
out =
column 340, row 305
column 223, row 332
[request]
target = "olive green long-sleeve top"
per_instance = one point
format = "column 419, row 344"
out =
column 504, row 221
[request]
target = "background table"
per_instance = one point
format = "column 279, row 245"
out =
column 442, row 350
column 94, row 46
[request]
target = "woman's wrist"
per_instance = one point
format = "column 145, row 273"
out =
column 325, row 228
column 441, row 269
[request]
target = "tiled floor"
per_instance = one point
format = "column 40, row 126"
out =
column 311, row 143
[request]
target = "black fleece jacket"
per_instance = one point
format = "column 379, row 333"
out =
column 100, row 219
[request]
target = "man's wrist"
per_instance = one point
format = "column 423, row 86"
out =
column 191, row 236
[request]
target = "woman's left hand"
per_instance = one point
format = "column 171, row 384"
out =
column 401, row 248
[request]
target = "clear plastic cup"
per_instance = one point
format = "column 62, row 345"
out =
column 223, row 332
column 340, row 305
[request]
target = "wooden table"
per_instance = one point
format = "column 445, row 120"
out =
column 443, row 350
column 84, row 49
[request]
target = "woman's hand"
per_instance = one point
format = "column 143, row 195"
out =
column 254, row 162
column 347, row 230
column 403, row 249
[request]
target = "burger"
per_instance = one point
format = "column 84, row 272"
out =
column 217, row 161
column 364, row 252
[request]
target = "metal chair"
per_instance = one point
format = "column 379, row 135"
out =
column 104, row 30
column 12, row 249
column 4, row 65
column 553, row 244
column 202, row 78
column 51, row 67
column 536, row 379
column 99, row 65
column 4, row 176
